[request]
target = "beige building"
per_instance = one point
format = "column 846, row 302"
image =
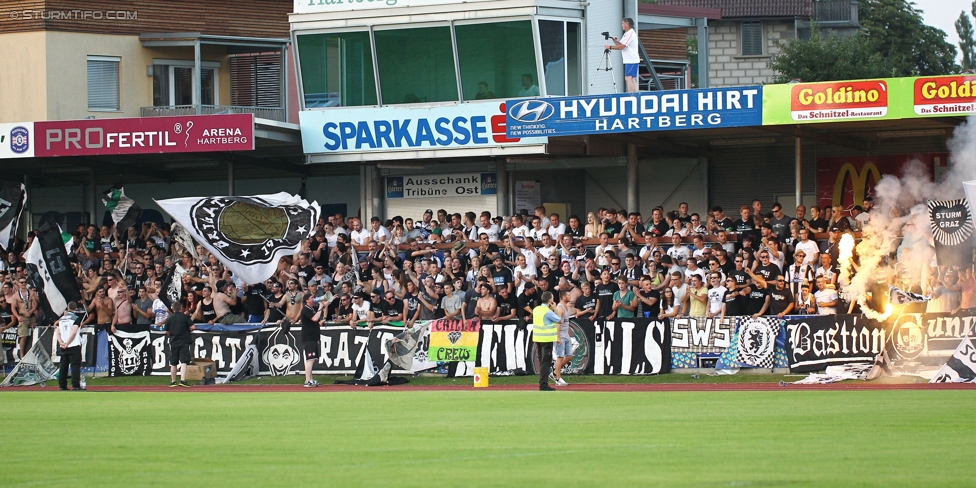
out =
column 750, row 32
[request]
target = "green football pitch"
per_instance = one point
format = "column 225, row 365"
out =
column 488, row 438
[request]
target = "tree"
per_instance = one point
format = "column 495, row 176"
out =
column 964, row 28
column 894, row 41
column 911, row 47
column 829, row 58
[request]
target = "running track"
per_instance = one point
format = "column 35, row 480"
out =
column 590, row 387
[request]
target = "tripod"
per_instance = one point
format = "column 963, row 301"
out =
column 604, row 65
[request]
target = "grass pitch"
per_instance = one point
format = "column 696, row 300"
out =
column 488, row 438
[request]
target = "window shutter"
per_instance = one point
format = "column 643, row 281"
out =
column 751, row 38
column 256, row 80
column 103, row 83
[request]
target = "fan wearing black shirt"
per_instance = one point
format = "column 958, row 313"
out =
column 178, row 327
column 758, row 300
column 508, row 305
column 528, row 300
column 574, row 229
column 648, row 299
column 311, row 319
column 735, row 299
column 781, row 298
column 393, row 312
column 767, row 269
column 604, row 292
column 587, row 304
column 721, row 221
column 501, row 276
column 255, row 303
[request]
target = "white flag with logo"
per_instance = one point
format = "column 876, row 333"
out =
column 247, row 234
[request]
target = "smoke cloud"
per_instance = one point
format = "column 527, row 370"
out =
column 899, row 223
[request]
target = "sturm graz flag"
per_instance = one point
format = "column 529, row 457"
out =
column 12, row 199
column 248, row 234
column 952, row 229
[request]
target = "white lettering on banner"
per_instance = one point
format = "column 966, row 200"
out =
column 325, row 345
column 362, row 341
column 833, row 340
column 627, row 330
column 654, row 104
column 397, row 134
column 652, row 349
column 97, row 138
column 216, row 352
column 159, row 358
column 689, row 332
column 343, row 353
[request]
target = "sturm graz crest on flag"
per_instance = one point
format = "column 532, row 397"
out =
column 757, row 341
column 250, row 230
column 950, row 221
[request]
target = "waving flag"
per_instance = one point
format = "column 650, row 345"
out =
column 123, row 209
column 50, row 273
column 248, row 234
column 12, row 199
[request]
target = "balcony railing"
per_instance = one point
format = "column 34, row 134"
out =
column 835, row 11
column 179, row 110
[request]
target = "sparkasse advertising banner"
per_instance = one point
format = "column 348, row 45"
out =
column 451, row 185
column 359, row 129
column 145, row 135
column 17, row 140
column 635, row 112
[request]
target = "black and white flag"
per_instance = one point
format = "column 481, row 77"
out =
column 248, row 234
column 757, row 341
column 953, row 231
column 36, row 367
column 124, row 210
column 172, row 291
column 50, row 273
column 961, row 367
column 130, row 353
column 897, row 296
column 13, row 196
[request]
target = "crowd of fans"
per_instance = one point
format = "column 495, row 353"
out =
column 616, row 264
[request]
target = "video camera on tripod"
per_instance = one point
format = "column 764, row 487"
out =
column 605, row 64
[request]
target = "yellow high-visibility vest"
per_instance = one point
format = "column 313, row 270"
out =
column 540, row 331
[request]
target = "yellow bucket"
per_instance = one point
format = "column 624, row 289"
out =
column 481, row 377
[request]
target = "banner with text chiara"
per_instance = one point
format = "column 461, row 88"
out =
column 635, row 112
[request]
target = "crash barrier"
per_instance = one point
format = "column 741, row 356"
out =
column 915, row 343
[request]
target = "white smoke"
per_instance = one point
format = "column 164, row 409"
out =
column 899, row 222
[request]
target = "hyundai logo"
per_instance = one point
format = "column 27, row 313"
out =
column 532, row 111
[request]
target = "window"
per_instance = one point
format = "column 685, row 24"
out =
column 103, row 83
column 173, row 83
column 416, row 65
column 255, row 80
column 496, row 54
column 561, row 57
column 751, row 38
column 337, row 69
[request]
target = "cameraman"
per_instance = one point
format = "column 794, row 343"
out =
column 628, row 48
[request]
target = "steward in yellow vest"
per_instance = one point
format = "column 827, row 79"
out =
column 545, row 332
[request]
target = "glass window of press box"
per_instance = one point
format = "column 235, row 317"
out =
column 438, row 63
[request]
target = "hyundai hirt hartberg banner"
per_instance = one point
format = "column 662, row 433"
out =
column 394, row 128
column 707, row 108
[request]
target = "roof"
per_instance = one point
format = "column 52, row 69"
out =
column 749, row 8
column 679, row 11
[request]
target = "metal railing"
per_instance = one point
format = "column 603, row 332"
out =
column 271, row 113
column 834, row 11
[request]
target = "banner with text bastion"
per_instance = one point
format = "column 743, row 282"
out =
column 878, row 99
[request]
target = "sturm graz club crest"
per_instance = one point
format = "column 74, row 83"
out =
column 950, row 221
column 250, row 230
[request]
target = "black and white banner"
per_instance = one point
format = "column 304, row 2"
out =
column 13, row 196
column 45, row 336
column 631, row 347
column 248, row 234
column 952, row 230
column 701, row 335
column 130, row 354
column 961, row 366
column 813, row 343
column 757, row 341
column 50, row 272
